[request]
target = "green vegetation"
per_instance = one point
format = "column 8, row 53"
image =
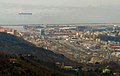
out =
column 23, row 66
column 109, row 38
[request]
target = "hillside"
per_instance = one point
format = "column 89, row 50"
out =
column 21, row 58
column 11, row 65
column 11, row 44
column 21, row 68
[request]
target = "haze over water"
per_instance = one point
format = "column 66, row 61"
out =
column 54, row 12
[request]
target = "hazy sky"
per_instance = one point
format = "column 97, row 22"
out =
column 65, row 2
column 60, row 11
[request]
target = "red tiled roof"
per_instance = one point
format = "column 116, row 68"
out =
column 2, row 28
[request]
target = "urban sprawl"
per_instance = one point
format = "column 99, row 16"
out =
column 90, row 43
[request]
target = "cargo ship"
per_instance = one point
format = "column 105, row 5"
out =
column 25, row 13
